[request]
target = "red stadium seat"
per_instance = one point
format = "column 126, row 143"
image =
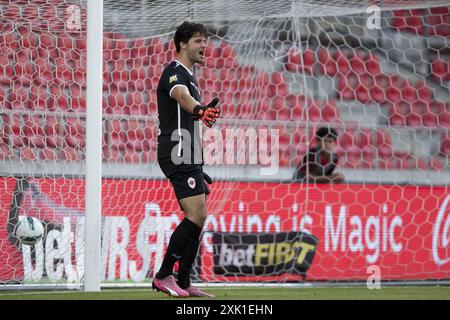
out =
column 44, row 72
column 11, row 12
column 414, row 120
column 415, row 22
column 397, row 115
column 377, row 94
column 409, row 93
column 2, row 96
column 148, row 156
column 403, row 161
column 79, row 77
column 27, row 154
column 18, row 97
column 303, row 63
column 346, row 139
column 34, row 130
column 116, row 103
column 444, row 119
column 445, row 144
column 284, row 114
column 366, row 79
column 137, row 106
column 393, row 94
column 117, row 135
column 284, row 138
column 268, row 115
column 48, row 11
column 282, row 89
column 5, row 151
column 136, row 136
column 419, row 107
column 65, row 42
column 80, row 43
column 47, row 41
column 27, row 39
column 437, row 163
column 387, row 164
column 330, row 112
column 409, row 20
column 8, row 43
column 421, row 163
column 48, row 154
column 327, row 64
column 54, row 130
column 70, row 155
column 245, row 111
column 58, row 103
column 138, row 73
column 293, row 60
column 362, row 94
column 343, row 64
column 23, row 67
column 111, row 153
column 373, row 66
column 383, row 144
column 75, row 133
column 439, row 21
column 151, row 132
column 276, row 78
column 30, row 11
column 16, row 135
column 429, row 119
column 353, row 160
column 6, row 73
column 399, row 21
column 313, row 112
column 77, row 98
column 425, row 93
column 277, row 103
column 346, row 87
column 440, row 70
column 367, row 148
column 131, row 156
column 437, row 106
column 357, row 64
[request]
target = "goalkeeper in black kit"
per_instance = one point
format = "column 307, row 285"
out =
column 180, row 156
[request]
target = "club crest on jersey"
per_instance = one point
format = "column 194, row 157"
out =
column 173, row 79
column 191, row 182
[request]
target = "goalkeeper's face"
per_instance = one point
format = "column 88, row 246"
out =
column 195, row 49
column 327, row 144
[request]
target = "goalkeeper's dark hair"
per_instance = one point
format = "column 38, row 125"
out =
column 325, row 132
column 186, row 31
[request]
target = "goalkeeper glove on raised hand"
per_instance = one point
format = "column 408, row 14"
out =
column 207, row 114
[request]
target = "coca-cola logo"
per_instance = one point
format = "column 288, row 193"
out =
column 441, row 234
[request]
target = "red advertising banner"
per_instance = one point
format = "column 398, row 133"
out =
column 402, row 230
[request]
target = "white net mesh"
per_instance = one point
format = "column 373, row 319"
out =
column 382, row 81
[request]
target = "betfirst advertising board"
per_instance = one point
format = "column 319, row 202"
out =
column 254, row 232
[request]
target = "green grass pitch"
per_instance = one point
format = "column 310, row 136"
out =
column 249, row 293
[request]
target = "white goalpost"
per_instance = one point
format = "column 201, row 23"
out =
column 94, row 41
column 79, row 127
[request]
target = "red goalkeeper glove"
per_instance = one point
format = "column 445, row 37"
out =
column 207, row 114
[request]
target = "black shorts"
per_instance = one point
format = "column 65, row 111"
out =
column 187, row 179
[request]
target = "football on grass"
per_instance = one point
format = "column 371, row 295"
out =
column 29, row 230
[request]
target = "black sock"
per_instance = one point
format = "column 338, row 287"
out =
column 186, row 262
column 179, row 240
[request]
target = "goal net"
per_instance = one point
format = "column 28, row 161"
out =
column 378, row 72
